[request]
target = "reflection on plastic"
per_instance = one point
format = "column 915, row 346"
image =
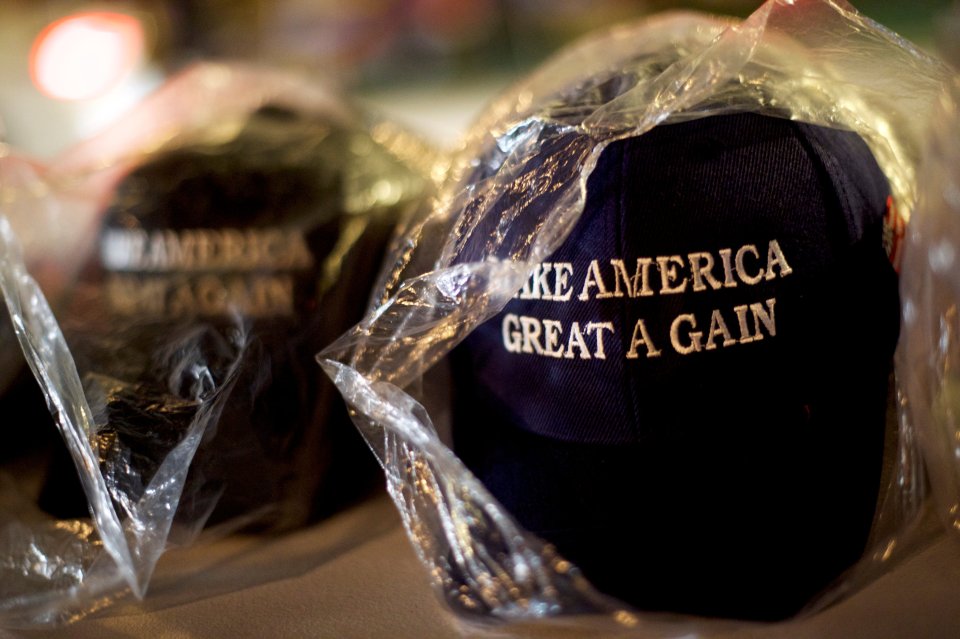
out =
column 813, row 61
column 144, row 485
column 931, row 291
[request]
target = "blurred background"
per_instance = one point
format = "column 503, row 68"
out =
column 68, row 67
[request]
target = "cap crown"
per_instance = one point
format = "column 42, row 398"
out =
column 699, row 371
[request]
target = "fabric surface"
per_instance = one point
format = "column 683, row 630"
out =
column 689, row 397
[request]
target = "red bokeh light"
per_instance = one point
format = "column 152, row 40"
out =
column 85, row 55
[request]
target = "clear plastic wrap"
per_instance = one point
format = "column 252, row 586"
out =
column 40, row 230
column 930, row 349
column 196, row 255
column 814, row 61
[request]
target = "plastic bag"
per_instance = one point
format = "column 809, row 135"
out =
column 23, row 194
column 813, row 61
column 930, row 349
column 221, row 234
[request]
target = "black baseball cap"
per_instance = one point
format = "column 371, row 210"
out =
column 688, row 398
column 222, row 268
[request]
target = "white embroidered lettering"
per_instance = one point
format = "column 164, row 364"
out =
column 511, row 333
column 741, row 268
column 641, row 279
column 745, row 336
column 701, row 268
column 599, row 327
column 208, row 295
column 694, row 272
column 593, row 278
column 553, row 330
column 194, row 250
column 576, row 341
column 718, row 327
column 620, row 275
column 562, row 290
column 641, row 338
column 531, row 335
column 728, row 280
column 695, row 337
column 762, row 316
column 539, row 288
column 775, row 257
column 669, row 275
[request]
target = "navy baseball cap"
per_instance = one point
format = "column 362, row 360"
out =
column 688, row 398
